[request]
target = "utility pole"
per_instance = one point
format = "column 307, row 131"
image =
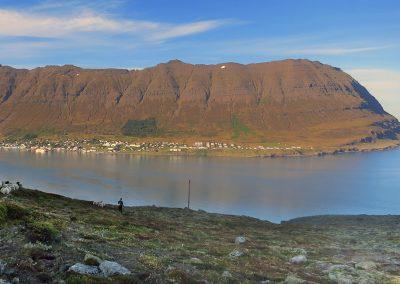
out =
column 188, row 200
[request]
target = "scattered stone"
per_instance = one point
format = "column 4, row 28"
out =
column 240, row 240
column 110, row 268
column 366, row 265
column 340, row 278
column 346, row 279
column 322, row 266
column 195, row 260
column 298, row 259
column 2, row 267
column 92, row 260
column 84, row 269
column 235, row 253
column 10, row 272
column 340, row 268
column 341, row 273
column 226, row 274
column 367, row 280
column 290, row 279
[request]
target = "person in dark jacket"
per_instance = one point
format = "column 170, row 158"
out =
column 120, row 205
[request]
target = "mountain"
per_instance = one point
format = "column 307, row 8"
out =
column 296, row 101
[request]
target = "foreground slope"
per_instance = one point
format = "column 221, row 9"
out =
column 294, row 101
column 166, row 245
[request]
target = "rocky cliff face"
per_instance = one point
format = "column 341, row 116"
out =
column 290, row 100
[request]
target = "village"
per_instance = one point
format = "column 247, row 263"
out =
column 95, row 145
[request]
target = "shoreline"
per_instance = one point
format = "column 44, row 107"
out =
column 360, row 148
column 47, row 237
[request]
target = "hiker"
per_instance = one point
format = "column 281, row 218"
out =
column 120, row 205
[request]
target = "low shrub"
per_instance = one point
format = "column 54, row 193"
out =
column 16, row 212
column 37, row 250
column 3, row 213
column 43, row 232
column 30, row 136
column 140, row 128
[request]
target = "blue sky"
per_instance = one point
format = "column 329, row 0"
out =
column 361, row 37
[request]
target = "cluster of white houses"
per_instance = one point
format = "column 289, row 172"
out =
column 86, row 145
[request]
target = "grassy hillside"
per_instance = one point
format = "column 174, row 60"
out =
column 42, row 235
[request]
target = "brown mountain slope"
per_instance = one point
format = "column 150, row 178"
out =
column 287, row 101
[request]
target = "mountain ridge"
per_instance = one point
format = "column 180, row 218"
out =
column 287, row 100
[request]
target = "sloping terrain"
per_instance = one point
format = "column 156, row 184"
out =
column 42, row 235
column 296, row 101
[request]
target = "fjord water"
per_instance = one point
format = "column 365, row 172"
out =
column 271, row 189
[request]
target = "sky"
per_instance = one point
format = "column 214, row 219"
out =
column 362, row 37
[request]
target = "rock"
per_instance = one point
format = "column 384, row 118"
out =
column 340, row 268
column 195, row 260
column 322, row 266
column 4, row 282
column 298, row 259
column 226, row 274
column 15, row 280
column 366, row 265
column 367, row 280
column 340, row 278
column 341, row 273
column 110, row 268
column 240, row 240
column 2, row 267
column 91, row 259
column 235, row 253
column 84, row 269
column 290, row 279
column 10, row 272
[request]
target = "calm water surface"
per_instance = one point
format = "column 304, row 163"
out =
column 271, row 189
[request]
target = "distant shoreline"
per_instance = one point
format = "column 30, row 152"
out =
column 182, row 149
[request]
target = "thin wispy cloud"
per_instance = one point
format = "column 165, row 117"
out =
column 326, row 50
column 187, row 29
column 299, row 46
column 76, row 5
column 16, row 23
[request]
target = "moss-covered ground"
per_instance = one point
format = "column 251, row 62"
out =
column 42, row 234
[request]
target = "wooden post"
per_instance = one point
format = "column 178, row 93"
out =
column 188, row 201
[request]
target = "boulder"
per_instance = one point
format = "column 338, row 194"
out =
column 366, row 265
column 2, row 267
column 195, row 260
column 111, row 268
column 298, row 259
column 290, row 279
column 340, row 278
column 226, row 274
column 341, row 273
column 91, row 259
column 235, row 253
column 240, row 240
column 4, row 282
column 81, row 268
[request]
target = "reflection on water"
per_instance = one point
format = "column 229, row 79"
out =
column 273, row 189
